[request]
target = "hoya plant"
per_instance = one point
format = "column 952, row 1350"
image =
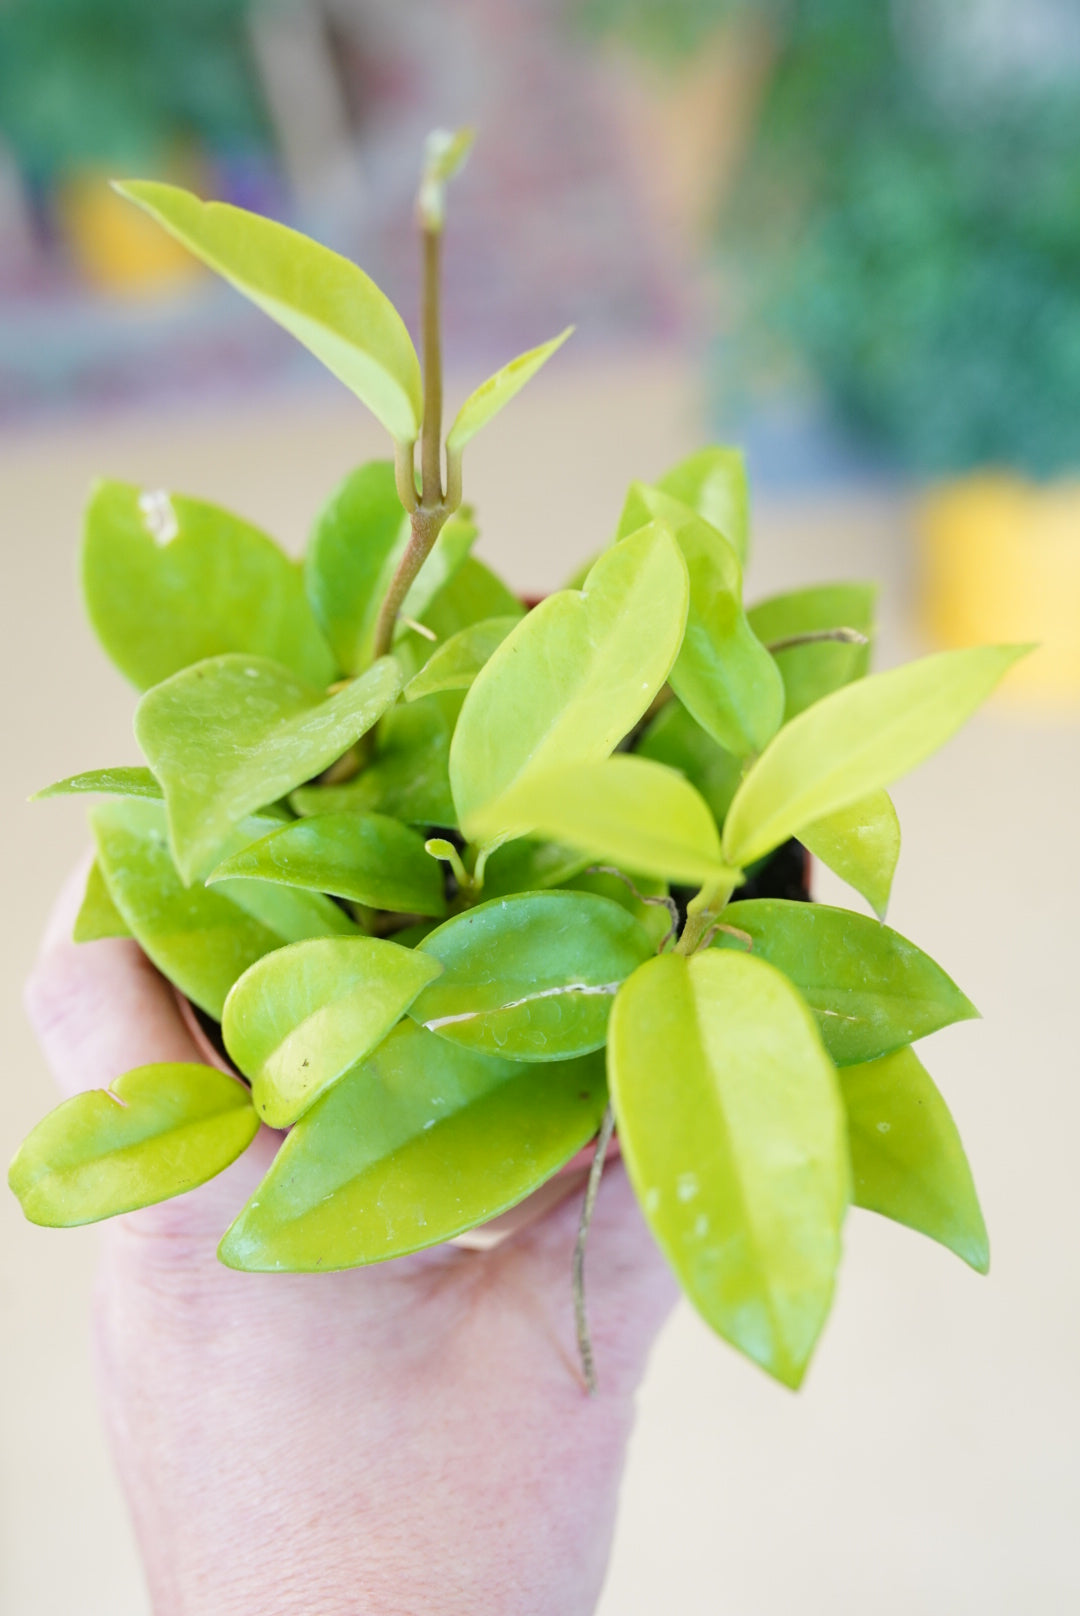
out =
column 459, row 887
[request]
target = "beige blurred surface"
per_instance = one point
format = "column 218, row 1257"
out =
column 931, row 1464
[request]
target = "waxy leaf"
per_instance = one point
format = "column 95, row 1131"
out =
column 368, row 858
column 455, row 664
column 169, row 581
column 528, row 866
column 856, row 741
column 358, row 540
column 472, row 595
column 323, row 300
column 861, row 845
column 713, row 483
column 871, row 990
column 98, row 916
column 723, row 675
column 420, row 1142
column 575, row 675
column 490, row 397
column 642, row 898
column 623, row 810
column 200, row 940
column 121, row 782
column 299, row 1018
column 530, row 977
column 156, row 1132
column 674, row 738
column 408, row 775
column 234, row 733
column 812, row 671
column 907, row 1158
column 732, row 1129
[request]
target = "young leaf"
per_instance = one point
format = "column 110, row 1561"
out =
column 202, row 941
column 234, row 733
column 861, row 845
column 408, row 776
column 98, row 916
column 723, row 675
column 678, row 740
column 490, row 397
column 120, row 782
column 299, row 1018
column 368, row 858
column 455, row 664
column 713, row 483
column 575, row 675
column 445, row 152
column 857, row 740
column 907, row 1158
column 624, row 810
column 812, row 671
column 156, row 1132
column 530, row 977
column 732, row 1128
column 421, row 1141
column 871, row 990
column 321, row 299
column 169, row 581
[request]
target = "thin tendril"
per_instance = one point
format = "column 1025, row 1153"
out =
column 584, row 1340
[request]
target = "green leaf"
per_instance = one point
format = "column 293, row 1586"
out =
column 368, row 858
column 98, row 916
column 654, row 917
column 169, row 581
column 732, row 1129
column 856, row 741
column 234, row 733
column 358, row 540
column 201, row 940
column 528, row 866
column 907, row 1158
column 121, row 782
column 625, row 810
column 455, row 664
column 870, row 989
column 676, row 739
column 490, row 397
column 472, row 595
column 156, row 1132
column 713, row 483
column 723, row 675
column 575, row 675
column 408, row 776
column 299, row 1018
column 420, row 1142
column 861, row 845
column 810, row 672
column 530, row 977
column 321, row 299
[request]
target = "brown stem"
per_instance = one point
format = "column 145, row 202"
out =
column 592, row 1189
column 426, row 526
column 820, row 636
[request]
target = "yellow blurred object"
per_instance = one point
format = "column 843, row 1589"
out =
column 1000, row 560
column 117, row 247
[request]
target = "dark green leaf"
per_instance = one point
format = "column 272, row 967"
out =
column 408, row 774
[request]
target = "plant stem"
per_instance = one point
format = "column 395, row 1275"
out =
column 819, row 636
column 702, row 916
column 592, row 1189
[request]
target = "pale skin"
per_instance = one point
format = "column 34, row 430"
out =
column 411, row 1439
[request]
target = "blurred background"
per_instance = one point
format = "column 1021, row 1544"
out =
column 845, row 233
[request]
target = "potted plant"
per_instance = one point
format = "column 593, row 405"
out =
column 461, row 888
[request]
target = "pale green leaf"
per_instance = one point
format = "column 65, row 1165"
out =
column 120, row 782
column 907, row 1158
column 407, row 776
column 732, row 1129
column 861, row 845
column 856, row 741
column 98, row 916
column 871, row 990
column 169, row 581
column 812, row 671
column 155, row 1133
column 575, row 675
column 420, row 1142
column 490, row 397
column 455, row 664
column 674, row 738
column 322, row 299
column 233, row 733
column 713, row 482
column 299, row 1018
column 530, row 977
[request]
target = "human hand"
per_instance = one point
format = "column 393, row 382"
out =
column 410, row 1438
